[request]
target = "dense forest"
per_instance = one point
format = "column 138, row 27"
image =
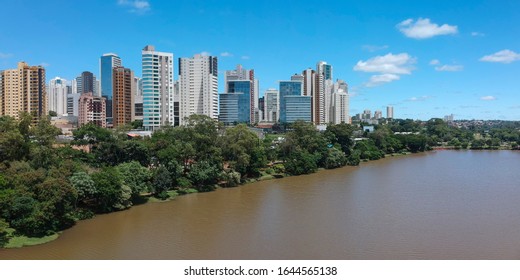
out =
column 46, row 186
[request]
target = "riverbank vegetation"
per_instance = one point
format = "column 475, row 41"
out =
column 46, row 186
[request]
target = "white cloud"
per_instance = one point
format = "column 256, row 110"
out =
column 245, row 57
column 446, row 68
column 488, row 98
column 205, row 53
column 388, row 67
column 477, row 34
column 377, row 80
column 503, row 56
column 418, row 99
column 226, row 54
column 373, row 48
column 423, row 28
column 449, row 68
column 45, row 64
column 388, row 64
column 136, row 6
column 5, row 55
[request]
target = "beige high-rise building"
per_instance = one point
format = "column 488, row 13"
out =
column 92, row 109
column 23, row 90
column 123, row 96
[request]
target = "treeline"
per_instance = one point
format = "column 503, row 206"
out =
column 47, row 186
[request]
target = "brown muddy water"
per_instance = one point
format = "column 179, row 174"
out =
column 436, row 205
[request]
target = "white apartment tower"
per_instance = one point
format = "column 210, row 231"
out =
column 198, row 86
column 57, row 96
column 272, row 105
column 340, row 103
column 157, row 88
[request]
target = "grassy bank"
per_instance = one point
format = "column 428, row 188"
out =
column 18, row 241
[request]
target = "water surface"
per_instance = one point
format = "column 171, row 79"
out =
column 436, row 205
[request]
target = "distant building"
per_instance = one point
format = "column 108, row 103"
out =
column 57, row 96
column 23, row 90
column 123, row 96
column 107, row 62
column 235, row 105
column 449, row 118
column 294, row 106
column 92, row 109
column 157, row 83
column 272, row 105
column 378, row 115
column 241, row 74
column 198, row 86
column 138, row 99
column 389, row 112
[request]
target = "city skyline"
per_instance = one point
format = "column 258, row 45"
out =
column 424, row 59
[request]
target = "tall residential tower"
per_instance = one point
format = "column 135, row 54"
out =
column 198, row 86
column 157, row 82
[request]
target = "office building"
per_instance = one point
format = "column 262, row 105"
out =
column 157, row 83
column 378, row 115
column 92, row 109
column 241, row 74
column 198, row 86
column 23, row 89
column 389, row 112
column 57, row 96
column 272, row 105
column 293, row 105
column 123, row 111
column 138, row 99
column 107, row 62
column 235, row 105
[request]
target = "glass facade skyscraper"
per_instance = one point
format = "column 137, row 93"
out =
column 289, row 105
column 235, row 104
column 107, row 63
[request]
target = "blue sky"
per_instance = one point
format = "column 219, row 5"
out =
column 426, row 58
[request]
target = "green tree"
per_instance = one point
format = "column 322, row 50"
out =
column 204, row 175
column 135, row 176
column 109, row 189
column 84, row 185
column 3, row 233
column 341, row 134
column 301, row 162
column 162, row 182
column 335, row 158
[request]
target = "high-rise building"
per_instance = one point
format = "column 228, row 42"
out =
column 123, row 96
column 87, row 82
column 322, row 98
column 92, row 109
column 138, row 99
column 367, row 114
column 261, row 106
column 378, row 114
column 235, row 105
column 198, row 85
column 57, row 96
column 389, row 112
column 272, row 105
column 293, row 105
column 107, row 62
column 241, row 74
column 23, row 89
column 340, row 103
column 157, row 81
